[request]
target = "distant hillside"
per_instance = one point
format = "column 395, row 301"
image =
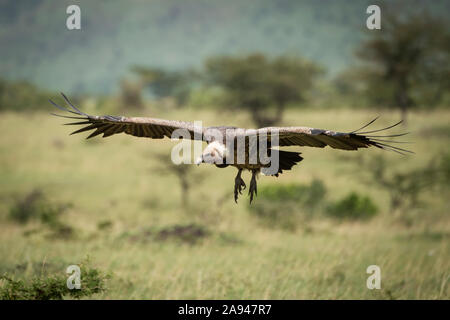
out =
column 36, row 45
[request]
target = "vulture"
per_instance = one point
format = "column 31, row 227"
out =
column 255, row 150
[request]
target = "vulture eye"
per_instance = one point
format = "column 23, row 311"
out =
column 213, row 154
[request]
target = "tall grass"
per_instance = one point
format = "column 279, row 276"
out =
column 117, row 193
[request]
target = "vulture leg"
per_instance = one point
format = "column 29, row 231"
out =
column 239, row 185
column 253, row 189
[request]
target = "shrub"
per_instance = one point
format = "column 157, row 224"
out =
column 309, row 196
column 444, row 167
column 105, row 225
column 27, row 207
column 353, row 207
column 284, row 206
column 35, row 206
column 276, row 214
column 406, row 189
column 22, row 96
column 54, row 286
column 190, row 233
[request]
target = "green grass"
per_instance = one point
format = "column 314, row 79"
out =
column 113, row 182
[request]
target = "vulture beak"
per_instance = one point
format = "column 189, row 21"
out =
column 199, row 160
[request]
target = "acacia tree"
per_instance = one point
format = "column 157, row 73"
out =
column 186, row 175
column 258, row 84
column 131, row 94
column 407, row 61
column 164, row 83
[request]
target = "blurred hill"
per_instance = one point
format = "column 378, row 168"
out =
column 170, row 34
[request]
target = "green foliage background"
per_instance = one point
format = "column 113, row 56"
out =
column 173, row 34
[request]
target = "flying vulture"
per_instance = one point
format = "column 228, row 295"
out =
column 224, row 148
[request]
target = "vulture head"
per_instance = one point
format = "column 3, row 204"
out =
column 214, row 153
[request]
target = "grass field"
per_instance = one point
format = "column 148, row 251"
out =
column 118, row 196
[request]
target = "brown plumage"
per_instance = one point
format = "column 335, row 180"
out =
column 217, row 153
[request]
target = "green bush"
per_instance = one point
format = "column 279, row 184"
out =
column 309, row 196
column 285, row 206
column 105, row 225
column 35, row 206
column 190, row 233
column 54, row 286
column 353, row 207
column 22, row 95
column 407, row 189
column 27, row 207
column 444, row 167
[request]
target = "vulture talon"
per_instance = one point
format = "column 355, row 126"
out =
column 253, row 190
column 242, row 186
column 239, row 185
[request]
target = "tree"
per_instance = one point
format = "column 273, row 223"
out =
column 23, row 96
column 187, row 177
column 407, row 61
column 257, row 84
column 131, row 94
column 163, row 83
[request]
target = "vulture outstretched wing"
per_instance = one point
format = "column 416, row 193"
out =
column 136, row 126
column 288, row 136
column 310, row 137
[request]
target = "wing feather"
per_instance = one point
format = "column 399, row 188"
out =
column 288, row 136
column 311, row 137
column 136, row 126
